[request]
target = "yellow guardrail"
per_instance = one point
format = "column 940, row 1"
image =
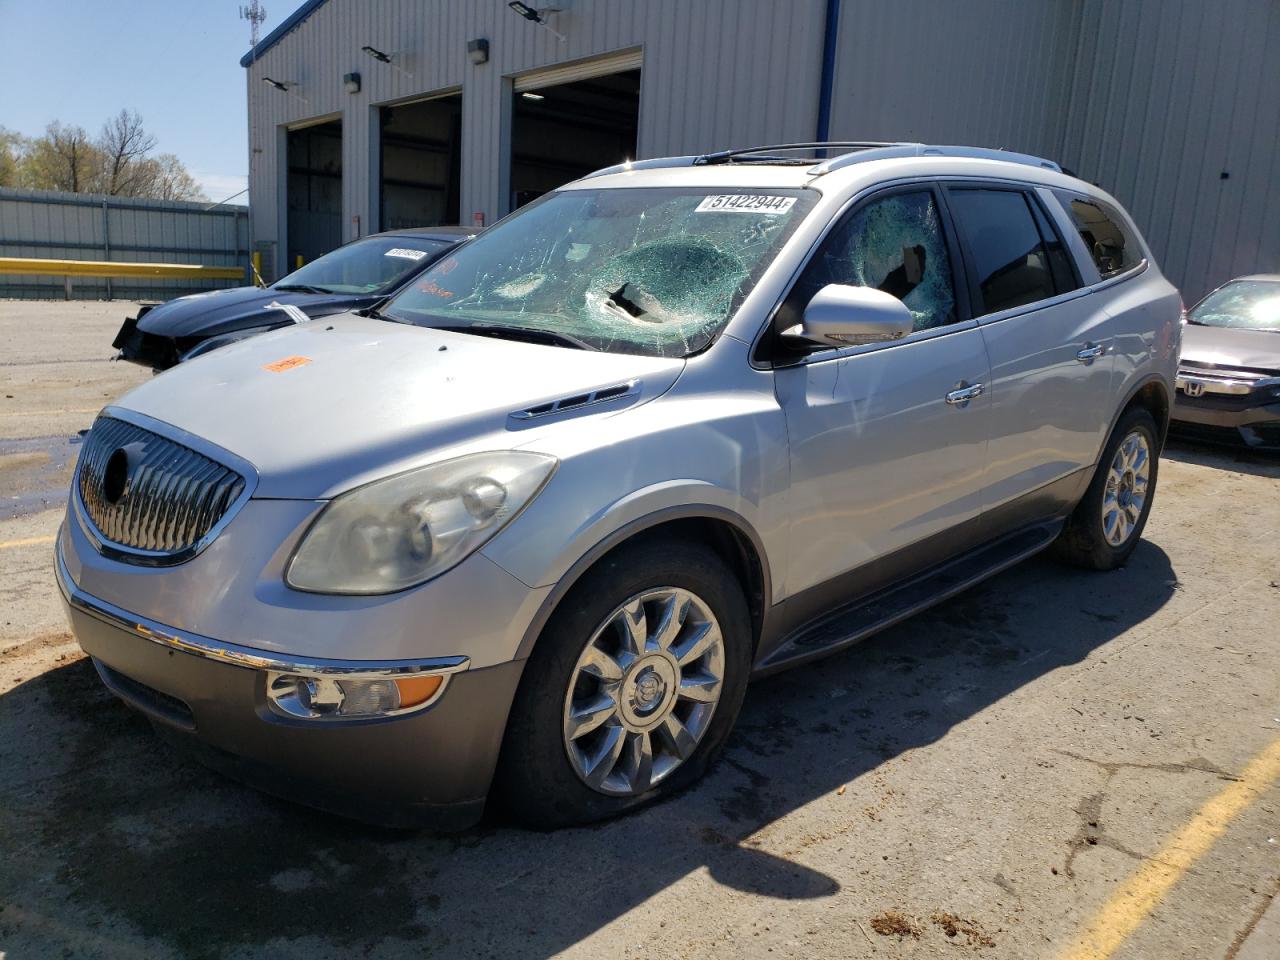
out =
column 104, row 268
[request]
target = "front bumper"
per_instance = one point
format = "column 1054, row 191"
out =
column 1223, row 418
column 430, row 768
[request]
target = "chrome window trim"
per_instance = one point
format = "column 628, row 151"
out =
column 159, row 558
column 856, row 350
column 239, row 656
column 1034, row 306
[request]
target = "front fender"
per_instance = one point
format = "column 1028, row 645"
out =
column 613, row 533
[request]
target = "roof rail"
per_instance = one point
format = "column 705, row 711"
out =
column 890, row 151
column 655, row 164
column 753, row 154
column 859, row 151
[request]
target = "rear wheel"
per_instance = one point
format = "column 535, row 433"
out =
column 1106, row 525
column 632, row 688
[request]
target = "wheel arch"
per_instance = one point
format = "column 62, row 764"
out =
column 726, row 532
column 1151, row 393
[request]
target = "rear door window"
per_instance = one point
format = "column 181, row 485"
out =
column 1008, row 254
column 1112, row 246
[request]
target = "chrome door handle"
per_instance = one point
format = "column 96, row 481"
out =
column 1091, row 353
column 962, row 395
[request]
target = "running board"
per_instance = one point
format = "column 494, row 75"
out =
column 848, row 625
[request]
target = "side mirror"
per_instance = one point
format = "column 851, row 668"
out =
column 842, row 316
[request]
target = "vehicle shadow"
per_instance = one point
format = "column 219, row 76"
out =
column 114, row 845
column 1239, row 459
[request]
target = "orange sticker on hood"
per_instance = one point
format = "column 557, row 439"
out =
column 288, row 363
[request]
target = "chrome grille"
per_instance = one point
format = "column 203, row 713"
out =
column 150, row 496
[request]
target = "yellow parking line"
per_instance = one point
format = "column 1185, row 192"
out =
column 1143, row 891
column 28, row 542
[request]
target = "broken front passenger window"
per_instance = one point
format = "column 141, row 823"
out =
column 894, row 244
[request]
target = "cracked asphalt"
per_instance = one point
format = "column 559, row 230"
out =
column 979, row 780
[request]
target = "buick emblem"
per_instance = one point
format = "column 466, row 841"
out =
column 1193, row 389
column 115, row 478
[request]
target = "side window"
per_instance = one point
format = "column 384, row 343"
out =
column 1010, row 259
column 894, row 244
column 1113, row 249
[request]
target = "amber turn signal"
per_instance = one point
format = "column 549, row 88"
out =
column 416, row 690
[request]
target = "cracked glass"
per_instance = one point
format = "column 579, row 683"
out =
column 648, row 270
column 895, row 245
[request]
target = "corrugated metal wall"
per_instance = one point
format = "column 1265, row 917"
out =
column 990, row 73
column 768, row 54
column 1152, row 99
column 1175, row 109
column 70, row 226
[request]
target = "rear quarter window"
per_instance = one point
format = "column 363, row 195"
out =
column 1105, row 234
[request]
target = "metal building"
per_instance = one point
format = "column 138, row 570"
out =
column 369, row 114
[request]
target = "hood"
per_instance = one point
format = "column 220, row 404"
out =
column 224, row 311
column 1231, row 347
column 320, row 407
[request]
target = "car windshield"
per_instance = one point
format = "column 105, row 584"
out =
column 1249, row 304
column 647, row 270
column 371, row 265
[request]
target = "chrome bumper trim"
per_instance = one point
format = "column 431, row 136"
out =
column 235, row 655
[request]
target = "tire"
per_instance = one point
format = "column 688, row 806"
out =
column 542, row 772
column 1085, row 540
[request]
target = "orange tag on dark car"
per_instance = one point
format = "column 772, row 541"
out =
column 288, row 363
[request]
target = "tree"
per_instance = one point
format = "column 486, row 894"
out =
column 119, row 163
column 12, row 148
column 168, row 179
column 124, row 145
column 63, row 159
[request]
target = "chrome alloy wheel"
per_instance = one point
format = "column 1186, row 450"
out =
column 643, row 691
column 1126, row 490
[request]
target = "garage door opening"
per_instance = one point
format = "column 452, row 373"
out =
column 421, row 162
column 562, row 132
column 314, row 156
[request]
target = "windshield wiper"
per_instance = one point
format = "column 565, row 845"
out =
column 301, row 288
column 527, row 334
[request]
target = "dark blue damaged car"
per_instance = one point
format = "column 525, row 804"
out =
column 354, row 277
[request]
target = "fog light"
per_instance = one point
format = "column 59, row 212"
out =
column 350, row 698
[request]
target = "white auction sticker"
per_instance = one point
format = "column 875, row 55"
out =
column 745, row 203
column 405, row 254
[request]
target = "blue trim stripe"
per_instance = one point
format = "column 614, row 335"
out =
column 276, row 35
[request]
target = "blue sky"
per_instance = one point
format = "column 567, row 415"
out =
column 176, row 62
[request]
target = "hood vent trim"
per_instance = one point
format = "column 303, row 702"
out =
column 578, row 401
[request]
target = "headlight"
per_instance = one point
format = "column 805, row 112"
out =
column 396, row 533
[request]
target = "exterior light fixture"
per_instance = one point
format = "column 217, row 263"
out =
column 478, row 50
column 278, row 84
column 532, row 96
column 377, row 54
column 535, row 16
column 352, row 82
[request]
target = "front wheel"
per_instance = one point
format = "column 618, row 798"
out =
column 632, row 688
column 1106, row 525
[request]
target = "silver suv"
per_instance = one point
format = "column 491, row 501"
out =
column 531, row 528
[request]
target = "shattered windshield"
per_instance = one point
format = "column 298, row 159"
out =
column 1250, row 304
column 648, row 270
column 363, row 266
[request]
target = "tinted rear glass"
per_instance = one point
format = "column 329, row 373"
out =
column 1010, row 259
